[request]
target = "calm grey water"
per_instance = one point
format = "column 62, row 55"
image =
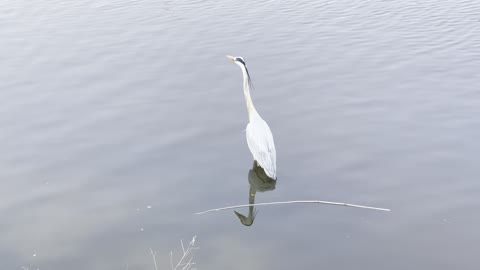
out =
column 120, row 119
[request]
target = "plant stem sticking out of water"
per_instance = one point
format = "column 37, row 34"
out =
column 185, row 262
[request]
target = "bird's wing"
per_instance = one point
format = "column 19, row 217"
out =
column 260, row 142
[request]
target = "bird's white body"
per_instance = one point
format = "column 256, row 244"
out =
column 261, row 145
column 259, row 137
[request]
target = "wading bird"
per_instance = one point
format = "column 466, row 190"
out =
column 259, row 136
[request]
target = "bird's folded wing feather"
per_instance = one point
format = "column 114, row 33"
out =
column 260, row 142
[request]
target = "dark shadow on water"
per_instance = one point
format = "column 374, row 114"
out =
column 260, row 182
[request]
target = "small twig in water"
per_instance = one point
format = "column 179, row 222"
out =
column 185, row 262
column 289, row 202
column 171, row 259
column 154, row 259
column 188, row 264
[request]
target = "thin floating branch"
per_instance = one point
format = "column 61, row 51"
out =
column 289, row 202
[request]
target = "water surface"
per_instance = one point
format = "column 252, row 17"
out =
column 120, row 119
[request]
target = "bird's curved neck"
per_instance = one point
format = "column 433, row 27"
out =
column 252, row 112
column 251, row 200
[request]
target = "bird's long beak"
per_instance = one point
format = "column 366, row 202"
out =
column 231, row 57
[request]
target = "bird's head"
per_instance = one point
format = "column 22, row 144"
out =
column 238, row 60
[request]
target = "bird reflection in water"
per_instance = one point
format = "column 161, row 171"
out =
column 259, row 181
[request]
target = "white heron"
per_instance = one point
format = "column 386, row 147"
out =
column 259, row 136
